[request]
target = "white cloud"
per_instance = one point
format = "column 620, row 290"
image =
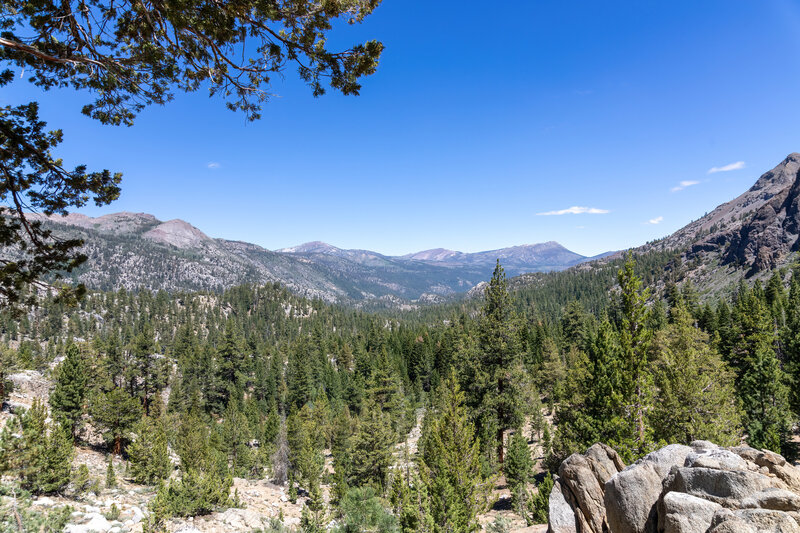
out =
column 213, row 165
column 656, row 220
column 682, row 185
column 727, row 168
column 576, row 210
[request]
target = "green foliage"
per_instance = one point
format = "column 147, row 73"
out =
column 69, row 393
column 148, row 454
column 410, row 502
column 500, row 377
column 362, row 510
column 451, row 464
column 370, row 450
column 115, row 412
column 80, row 480
column 305, row 447
column 113, row 513
column 235, row 435
column 314, row 518
column 111, row 476
column 518, row 467
column 17, row 506
column 534, row 508
column 696, row 396
column 195, row 493
column 37, row 453
column 501, row 524
column 761, row 380
column 35, row 180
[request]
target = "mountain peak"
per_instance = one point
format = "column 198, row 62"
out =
column 178, row 233
column 313, row 247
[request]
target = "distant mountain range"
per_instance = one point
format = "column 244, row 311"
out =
column 136, row 250
column 748, row 236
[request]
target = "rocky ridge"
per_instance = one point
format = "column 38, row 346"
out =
column 752, row 234
column 701, row 488
column 136, row 250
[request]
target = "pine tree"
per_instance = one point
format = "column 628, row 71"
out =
column 450, row 464
column 235, row 438
column 761, row 381
column 305, row 447
column 115, row 412
column 790, row 338
column 370, row 451
column 696, row 399
column 230, row 367
column 69, row 393
column 8, row 363
column 111, row 476
column 148, row 454
column 765, row 397
column 634, row 341
column 502, row 372
column 518, row 467
column 39, row 454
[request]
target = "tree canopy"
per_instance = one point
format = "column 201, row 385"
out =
column 129, row 55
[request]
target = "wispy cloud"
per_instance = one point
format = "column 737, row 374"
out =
column 576, row 210
column 682, row 185
column 727, row 168
column 213, row 165
column 656, row 220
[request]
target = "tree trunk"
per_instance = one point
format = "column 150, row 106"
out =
column 117, row 445
column 500, row 450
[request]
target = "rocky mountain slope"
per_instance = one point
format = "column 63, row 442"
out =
column 755, row 232
column 134, row 250
column 746, row 238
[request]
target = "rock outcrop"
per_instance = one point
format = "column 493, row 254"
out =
column 702, row 488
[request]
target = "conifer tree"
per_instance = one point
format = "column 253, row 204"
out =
column 114, row 413
column 502, row 374
column 8, row 363
column 230, row 367
column 761, row 381
column 518, row 467
column 148, row 454
column 790, row 338
column 696, row 399
column 370, row 450
column 111, row 475
column 450, row 464
column 39, row 454
column 69, row 394
column 410, row 502
column 305, row 447
column 235, row 438
column 634, row 341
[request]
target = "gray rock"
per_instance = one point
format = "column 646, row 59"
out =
column 561, row 517
column 97, row 524
column 773, row 499
column 719, row 458
column 630, row 499
column 604, row 462
column 577, row 475
column 684, row 513
column 631, row 495
column 44, row 501
column 767, row 520
column 724, row 487
column 725, row 521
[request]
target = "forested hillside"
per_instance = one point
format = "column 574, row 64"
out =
column 256, row 383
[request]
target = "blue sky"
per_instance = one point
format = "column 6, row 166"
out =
column 479, row 119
